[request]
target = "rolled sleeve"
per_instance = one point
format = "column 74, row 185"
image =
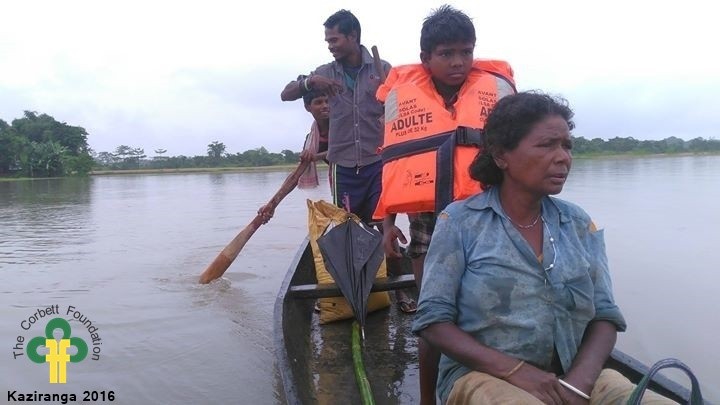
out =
column 605, row 307
column 443, row 271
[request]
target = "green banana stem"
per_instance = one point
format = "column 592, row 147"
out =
column 366, row 395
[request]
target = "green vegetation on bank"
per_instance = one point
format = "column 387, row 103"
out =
column 195, row 170
column 632, row 146
column 129, row 158
column 38, row 146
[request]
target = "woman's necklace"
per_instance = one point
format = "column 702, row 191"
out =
column 537, row 218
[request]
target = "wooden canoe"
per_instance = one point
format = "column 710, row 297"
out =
column 315, row 362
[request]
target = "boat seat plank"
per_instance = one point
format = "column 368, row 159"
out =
column 331, row 289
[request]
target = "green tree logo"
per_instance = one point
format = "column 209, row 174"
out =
column 57, row 354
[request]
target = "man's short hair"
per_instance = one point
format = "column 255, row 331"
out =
column 346, row 23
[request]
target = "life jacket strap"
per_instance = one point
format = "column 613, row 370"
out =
column 444, row 143
column 463, row 136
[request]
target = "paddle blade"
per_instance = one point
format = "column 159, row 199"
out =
column 221, row 263
column 216, row 269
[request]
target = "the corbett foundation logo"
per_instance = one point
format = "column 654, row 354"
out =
column 56, row 339
column 59, row 342
column 57, row 350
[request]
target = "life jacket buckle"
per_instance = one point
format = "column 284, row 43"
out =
column 468, row 136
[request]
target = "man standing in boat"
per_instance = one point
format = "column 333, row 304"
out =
column 434, row 114
column 355, row 133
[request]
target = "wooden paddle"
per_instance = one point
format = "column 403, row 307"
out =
column 378, row 63
column 221, row 263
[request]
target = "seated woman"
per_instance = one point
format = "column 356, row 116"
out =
column 516, row 292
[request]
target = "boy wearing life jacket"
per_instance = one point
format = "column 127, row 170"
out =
column 434, row 115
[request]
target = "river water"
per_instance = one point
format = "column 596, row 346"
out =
column 124, row 253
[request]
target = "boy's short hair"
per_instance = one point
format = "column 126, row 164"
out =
column 446, row 25
column 310, row 96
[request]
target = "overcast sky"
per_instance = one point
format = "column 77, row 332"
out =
column 179, row 75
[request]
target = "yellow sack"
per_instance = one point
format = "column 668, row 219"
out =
column 320, row 215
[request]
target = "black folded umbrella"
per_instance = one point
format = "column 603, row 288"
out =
column 353, row 254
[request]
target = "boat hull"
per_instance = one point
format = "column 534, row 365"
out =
column 315, row 361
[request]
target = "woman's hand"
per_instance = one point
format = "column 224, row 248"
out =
column 597, row 343
column 576, row 380
column 572, row 398
column 458, row 344
column 540, row 384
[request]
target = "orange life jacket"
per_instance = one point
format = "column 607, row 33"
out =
column 428, row 149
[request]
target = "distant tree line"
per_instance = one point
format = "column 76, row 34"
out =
column 39, row 146
column 617, row 145
column 126, row 157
